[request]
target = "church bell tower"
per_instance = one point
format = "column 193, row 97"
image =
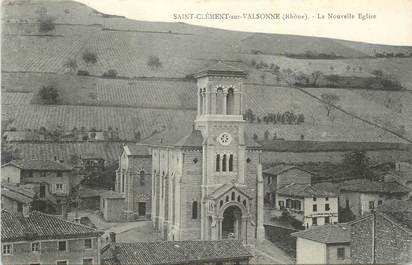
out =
column 228, row 185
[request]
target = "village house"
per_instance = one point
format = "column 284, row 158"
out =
column 281, row 175
column 15, row 198
column 308, row 204
column 327, row 244
column 112, row 206
column 38, row 238
column 208, row 185
column 216, row 252
column 50, row 176
column 362, row 196
column 384, row 236
column 134, row 181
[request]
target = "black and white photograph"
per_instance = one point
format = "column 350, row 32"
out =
column 206, row 132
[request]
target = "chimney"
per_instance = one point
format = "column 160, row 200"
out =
column 64, row 212
column 112, row 237
column 26, row 210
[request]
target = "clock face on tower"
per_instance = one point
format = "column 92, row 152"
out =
column 224, row 138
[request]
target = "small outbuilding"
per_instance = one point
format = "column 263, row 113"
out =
column 111, row 206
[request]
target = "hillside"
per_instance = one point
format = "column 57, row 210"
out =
column 152, row 99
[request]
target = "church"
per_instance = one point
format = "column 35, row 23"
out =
column 209, row 185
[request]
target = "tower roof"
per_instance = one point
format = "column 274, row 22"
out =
column 220, row 69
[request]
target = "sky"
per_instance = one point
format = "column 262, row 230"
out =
column 390, row 21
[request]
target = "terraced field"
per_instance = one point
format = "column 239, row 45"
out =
column 48, row 56
column 127, row 120
column 147, row 93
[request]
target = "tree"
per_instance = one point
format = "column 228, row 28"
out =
column 49, row 95
column 266, row 135
column 71, row 64
column 358, row 163
column 112, row 73
column 89, row 57
column 46, row 24
column 377, row 73
column 9, row 153
column 154, row 62
column 316, row 75
column 347, row 68
column 329, row 101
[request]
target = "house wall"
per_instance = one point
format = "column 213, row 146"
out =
column 269, row 191
column 332, row 254
column 113, row 210
column 51, row 179
column 49, row 253
column 10, row 174
column 9, row 204
column 310, row 252
column 321, row 212
column 392, row 243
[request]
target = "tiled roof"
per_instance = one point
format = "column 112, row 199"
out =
column 328, row 234
column 220, row 69
column 137, row 150
column 175, row 252
column 364, row 185
column 193, row 139
column 399, row 211
column 304, row 190
column 110, row 194
column 327, row 186
column 39, row 165
column 278, row 169
column 16, row 227
column 16, row 196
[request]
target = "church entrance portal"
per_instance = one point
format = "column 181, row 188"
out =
column 231, row 224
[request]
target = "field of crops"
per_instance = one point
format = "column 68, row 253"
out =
column 38, row 54
column 147, row 93
column 127, row 120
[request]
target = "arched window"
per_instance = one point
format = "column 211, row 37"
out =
column 194, row 210
column 231, row 163
column 230, row 102
column 233, row 196
column 220, row 100
column 217, row 163
column 224, row 163
column 142, row 177
column 200, row 102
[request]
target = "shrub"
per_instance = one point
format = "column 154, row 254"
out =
column 112, row 73
column 49, row 94
column 46, row 24
column 89, row 57
column 154, row 62
column 83, row 73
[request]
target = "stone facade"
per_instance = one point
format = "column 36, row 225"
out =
column 48, row 252
column 377, row 239
column 209, row 185
column 134, row 181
